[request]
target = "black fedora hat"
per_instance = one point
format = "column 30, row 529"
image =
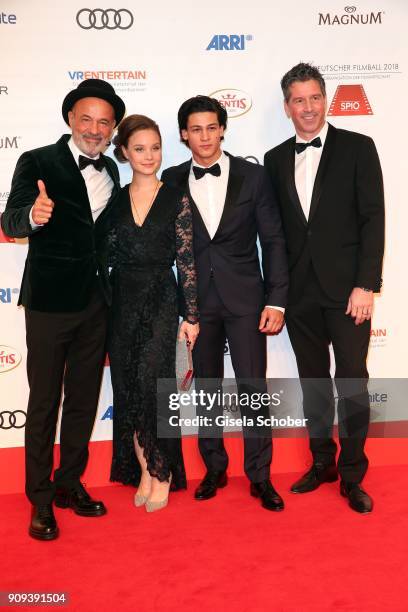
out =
column 94, row 88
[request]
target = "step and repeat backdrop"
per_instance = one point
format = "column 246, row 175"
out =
column 156, row 56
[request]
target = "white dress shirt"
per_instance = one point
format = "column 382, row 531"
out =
column 209, row 193
column 98, row 184
column 306, row 166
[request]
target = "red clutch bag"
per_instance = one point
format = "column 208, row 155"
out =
column 185, row 371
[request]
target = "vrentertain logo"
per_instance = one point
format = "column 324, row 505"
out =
column 229, row 42
column 351, row 17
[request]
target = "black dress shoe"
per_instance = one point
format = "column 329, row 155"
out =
column 80, row 501
column 43, row 525
column 359, row 500
column 271, row 500
column 317, row 475
column 209, row 485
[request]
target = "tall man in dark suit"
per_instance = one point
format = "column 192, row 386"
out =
column 330, row 192
column 232, row 203
column 58, row 197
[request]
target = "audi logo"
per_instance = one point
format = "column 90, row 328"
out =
column 101, row 19
column 350, row 9
column 10, row 420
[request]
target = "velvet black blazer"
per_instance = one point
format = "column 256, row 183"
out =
column 250, row 211
column 344, row 233
column 66, row 255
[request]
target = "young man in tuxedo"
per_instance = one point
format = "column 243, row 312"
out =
column 330, row 192
column 232, row 204
column 58, row 198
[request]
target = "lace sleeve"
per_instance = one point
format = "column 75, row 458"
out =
column 185, row 260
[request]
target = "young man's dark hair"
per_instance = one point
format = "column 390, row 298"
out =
column 201, row 104
column 301, row 72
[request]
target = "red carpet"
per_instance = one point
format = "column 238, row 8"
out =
column 224, row 554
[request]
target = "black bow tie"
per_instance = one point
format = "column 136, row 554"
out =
column 215, row 170
column 301, row 146
column 83, row 162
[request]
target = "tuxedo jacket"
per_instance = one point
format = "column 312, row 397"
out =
column 66, row 254
column 344, row 235
column 231, row 256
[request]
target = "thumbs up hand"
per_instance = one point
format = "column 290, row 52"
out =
column 43, row 206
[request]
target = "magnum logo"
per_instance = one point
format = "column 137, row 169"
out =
column 351, row 17
column 350, row 100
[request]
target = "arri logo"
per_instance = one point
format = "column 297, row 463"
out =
column 235, row 101
column 10, row 358
column 229, row 42
column 351, row 17
column 6, row 293
column 8, row 19
column 350, row 100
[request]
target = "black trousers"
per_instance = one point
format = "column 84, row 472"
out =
column 248, row 355
column 314, row 322
column 64, row 350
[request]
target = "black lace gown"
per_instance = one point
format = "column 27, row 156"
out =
column 143, row 329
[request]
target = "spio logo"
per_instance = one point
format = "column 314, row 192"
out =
column 351, row 17
column 9, row 142
column 8, row 19
column 235, row 101
column 350, row 100
column 15, row 419
column 228, row 42
column 10, row 358
column 5, row 295
column 104, row 19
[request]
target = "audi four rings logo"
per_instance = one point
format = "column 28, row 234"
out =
column 12, row 420
column 104, row 19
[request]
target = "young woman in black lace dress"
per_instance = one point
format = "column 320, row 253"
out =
column 151, row 228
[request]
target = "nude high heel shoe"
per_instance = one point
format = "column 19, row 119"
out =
column 140, row 500
column 152, row 506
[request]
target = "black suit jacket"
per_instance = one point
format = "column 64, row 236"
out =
column 250, row 210
column 344, row 235
column 65, row 255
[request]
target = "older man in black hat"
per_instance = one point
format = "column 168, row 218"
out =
column 58, row 198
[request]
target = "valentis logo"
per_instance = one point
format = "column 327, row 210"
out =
column 10, row 358
column 235, row 101
column 351, row 17
column 350, row 100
